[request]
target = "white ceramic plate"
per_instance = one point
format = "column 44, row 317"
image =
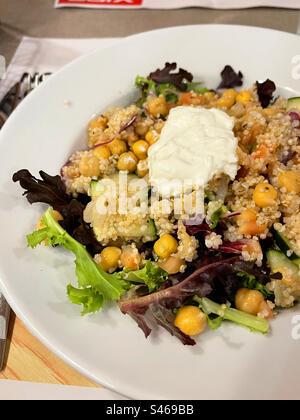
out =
column 108, row 347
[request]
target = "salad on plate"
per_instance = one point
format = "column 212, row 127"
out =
column 184, row 207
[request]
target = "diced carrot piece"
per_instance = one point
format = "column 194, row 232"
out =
column 263, row 150
column 186, row 98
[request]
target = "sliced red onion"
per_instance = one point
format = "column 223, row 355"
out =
column 232, row 247
column 148, row 113
column 202, row 227
column 285, row 158
column 228, row 250
column 230, row 215
column 176, row 92
column 294, row 115
column 152, row 94
column 68, row 163
column 104, row 143
column 123, row 128
column 130, row 122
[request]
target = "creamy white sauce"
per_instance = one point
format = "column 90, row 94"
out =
column 195, row 144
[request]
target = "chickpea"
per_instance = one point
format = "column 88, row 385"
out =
column 249, row 301
column 244, row 96
column 141, row 128
column 89, row 166
column 165, row 246
column 102, row 152
column 172, row 264
column 190, row 320
column 227, row 99
column 265, row 195
column 132, row 139
column 127, row 162
column 290, row 180
column 98, row 123
column 117, row 147
column 140, row 149
column 152, row 137
column 158, row 106
column 142, row 168
column 109, row 258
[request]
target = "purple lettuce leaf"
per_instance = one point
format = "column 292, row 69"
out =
column 230, row 78
column 198, row 283
column 159, row 305
column 51, row 190
column 265, row 92
column 165, row 318
column 141, row 322
column 167, row 75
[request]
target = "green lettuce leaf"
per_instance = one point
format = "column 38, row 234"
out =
column 151, row 275
column 89, row 298
column 213, row 320
column 96, row 287
column 166, row 89
column 145, row 84
column 171, row 97
column 197, row 87
column 249, row 282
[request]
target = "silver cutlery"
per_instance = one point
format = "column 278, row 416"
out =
column 7, row 105
column 4, row 321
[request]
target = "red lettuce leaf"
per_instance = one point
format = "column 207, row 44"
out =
column 165, row 318
column 52, row 191
column 230, row 78
column 159, row 306
column 265, row 92
column 167, row 75
column 142, row 323
column 198, row 283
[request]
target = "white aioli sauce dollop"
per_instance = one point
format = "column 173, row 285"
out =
column 195, row 144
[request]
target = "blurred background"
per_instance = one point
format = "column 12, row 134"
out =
column 39, row 18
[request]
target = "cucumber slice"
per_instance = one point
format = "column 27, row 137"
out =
column 297, row 261
column 146, row 230
column 277, row 260
column 96, row 189
column 293, row 103
column 284, row 245
column 152, row 228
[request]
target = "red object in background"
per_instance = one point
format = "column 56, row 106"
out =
column 99, row 2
